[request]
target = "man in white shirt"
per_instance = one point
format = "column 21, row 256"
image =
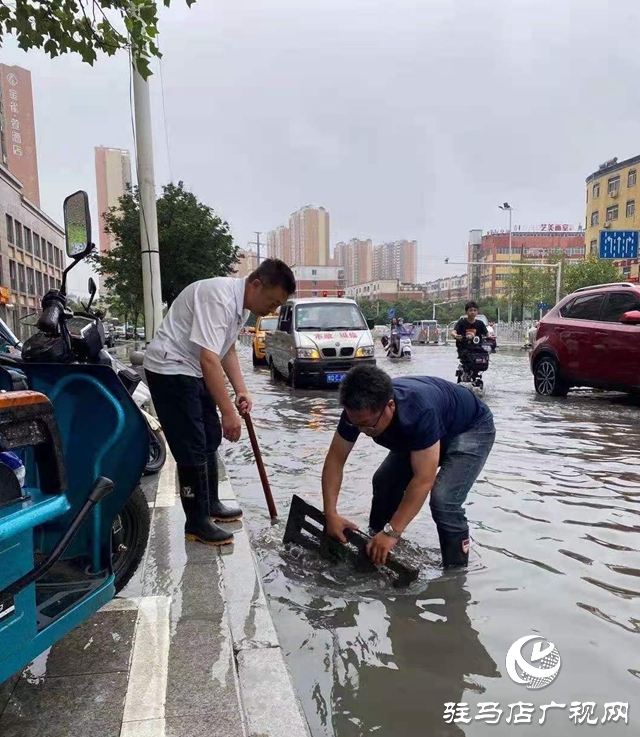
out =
column 185, row 366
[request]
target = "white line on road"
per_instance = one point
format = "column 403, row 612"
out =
column 147, row 688
column 166, row 495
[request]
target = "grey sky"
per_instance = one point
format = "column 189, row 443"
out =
column 405, row 119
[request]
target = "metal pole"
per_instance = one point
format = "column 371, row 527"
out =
column 558, row 281
column 151, row 286
column 510, row 295
column 434, row 311
column 258, row 232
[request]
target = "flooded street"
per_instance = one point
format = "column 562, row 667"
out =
column 555, row 526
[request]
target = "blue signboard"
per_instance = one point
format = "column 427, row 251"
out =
column 619, row 244
column 543, row 305
column 391, row 313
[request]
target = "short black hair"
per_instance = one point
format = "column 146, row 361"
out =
column 366, row 387
column 471, row 304
column 275, row 273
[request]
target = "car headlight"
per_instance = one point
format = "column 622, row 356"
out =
column 308, row 353
column 365, row 351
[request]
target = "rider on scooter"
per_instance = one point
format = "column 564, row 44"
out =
column 468, row 327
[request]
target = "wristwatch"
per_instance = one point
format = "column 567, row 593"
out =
column 388, row 530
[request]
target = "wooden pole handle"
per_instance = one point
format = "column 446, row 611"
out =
column 261, row 470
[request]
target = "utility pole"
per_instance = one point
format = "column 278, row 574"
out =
column 256, row 243
column 151, row 285
column 506, row 206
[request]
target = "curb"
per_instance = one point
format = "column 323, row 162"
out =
column 269, row 700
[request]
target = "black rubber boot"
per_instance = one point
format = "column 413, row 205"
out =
column 455, row 549
column 217, row 510
column 194, row 495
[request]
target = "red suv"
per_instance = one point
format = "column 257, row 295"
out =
column 590, row 338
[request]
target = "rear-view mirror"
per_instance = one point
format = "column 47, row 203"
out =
column 77, row 225
column 371, row 323
column 631, row 318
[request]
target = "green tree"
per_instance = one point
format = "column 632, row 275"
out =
column 592, row 270
column 194, row 243
column 85, row 27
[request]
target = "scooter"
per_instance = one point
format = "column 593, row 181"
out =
column 84, row 445
column 401, row 348
column 474, row 361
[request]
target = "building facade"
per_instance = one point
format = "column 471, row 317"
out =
column 535, row 245
column 247, row 263
column 18, row 130
column 390, row 290
column 113, row 179
column 447, row 289
column 396, row 260
column 612, row 199
column 279, row 244
column 356, row 257
column 319, row 281
column 32, row 255
column 309, row 236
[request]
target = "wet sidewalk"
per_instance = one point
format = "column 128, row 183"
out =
column 187, row 649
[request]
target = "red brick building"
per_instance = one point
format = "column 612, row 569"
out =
column 319, row 281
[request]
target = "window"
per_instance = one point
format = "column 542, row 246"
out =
column 10, row 236
column 631, row 179
column 50, row 250
column 594, row 245
column 39, row 291
column 31, row 281
column 36, row 245
column 314, row 283
column 595, row 218
column 584, row 308
column 57, row 254
column 58, row 283
column 612, row 213
column 12, row 276
column 314, row 272
column 631, row 208
column 28, row 244
column 596, row 191
column 45, row 283
column 18, row 234
column 22, row 287
column 314, row 294
column 619, row 303
column 614, row 185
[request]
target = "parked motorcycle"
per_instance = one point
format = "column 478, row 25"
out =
column 74, row 531
column 399, row 348
column 474, row 361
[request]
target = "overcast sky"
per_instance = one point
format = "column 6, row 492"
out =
column 404, row 119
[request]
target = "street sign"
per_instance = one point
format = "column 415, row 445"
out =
column 618, row 244
column 391, row 314
column 543, row 305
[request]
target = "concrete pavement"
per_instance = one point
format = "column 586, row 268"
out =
column 188, row 649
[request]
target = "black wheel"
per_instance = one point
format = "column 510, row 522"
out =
column 547, row 379
column 294, row 378
column 129, row 537
column 257, row 361
column 157, row 452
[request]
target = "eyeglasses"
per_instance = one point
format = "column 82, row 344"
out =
column 365, row 428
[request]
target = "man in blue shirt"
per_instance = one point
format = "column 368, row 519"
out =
column 439, row 436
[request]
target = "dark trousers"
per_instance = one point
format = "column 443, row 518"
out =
column 188, row 416
column 460, row 466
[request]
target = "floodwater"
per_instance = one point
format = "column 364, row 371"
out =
column 555, row 526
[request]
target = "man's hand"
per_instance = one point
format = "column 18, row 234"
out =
column 336, row 526
column 379, row 548
column 458, row 337
column 244, row 403
column 231, row 426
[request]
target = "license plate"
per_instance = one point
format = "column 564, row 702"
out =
column 334, row 378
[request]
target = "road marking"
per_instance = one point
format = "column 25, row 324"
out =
column 147, row 688
column 129, row 604
column 166, row 494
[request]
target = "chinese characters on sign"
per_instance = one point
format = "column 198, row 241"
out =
column 16, row 137
column 580, row 712
column 542, row 228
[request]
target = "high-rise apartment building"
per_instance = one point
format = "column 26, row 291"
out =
column 17, row 129
column 309, row 234
column 247, row 263
column 279, row 244
column 113, row 179
column 356, row 257
column 396, row 260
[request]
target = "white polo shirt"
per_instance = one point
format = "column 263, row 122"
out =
column 206, row 314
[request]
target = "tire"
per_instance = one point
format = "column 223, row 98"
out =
column 157, row 452
column 275, row 374
column 547, row 379
column 255, row 361
column 129, row 537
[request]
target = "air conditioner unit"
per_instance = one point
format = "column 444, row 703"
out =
column 607, row 225
column 615, row 193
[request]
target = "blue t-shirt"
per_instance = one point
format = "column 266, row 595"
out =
column 428, row 409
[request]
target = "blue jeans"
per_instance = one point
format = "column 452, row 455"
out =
column 460, row 466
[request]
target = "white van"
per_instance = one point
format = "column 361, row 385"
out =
column 318, row 340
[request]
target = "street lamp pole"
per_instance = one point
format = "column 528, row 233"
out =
column 507, row 207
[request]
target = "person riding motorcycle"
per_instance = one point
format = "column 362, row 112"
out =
column 468, row 327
